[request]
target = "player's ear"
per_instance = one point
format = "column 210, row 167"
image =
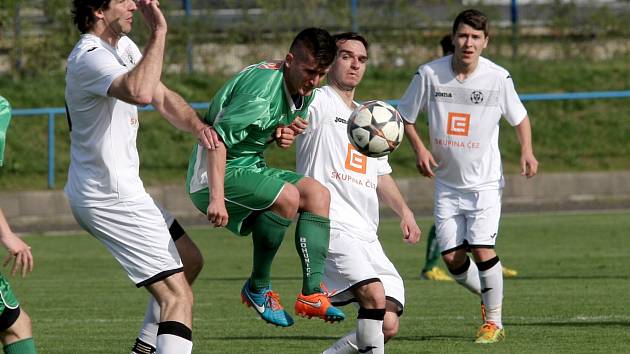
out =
column 289, row 59
column 98, row 14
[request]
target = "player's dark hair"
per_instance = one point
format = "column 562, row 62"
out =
column 447, row 45
column 83, row 12
column 473, row 18
column 351, row 36
column 318, row 42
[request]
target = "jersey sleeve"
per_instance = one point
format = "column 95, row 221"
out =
column 382, row 166
column 97, row 69
column 233, row 120
column 415, row 98
column 511, row 106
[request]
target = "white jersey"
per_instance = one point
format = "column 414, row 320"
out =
column 325, row 154
column 464, row 120
column 104, row 163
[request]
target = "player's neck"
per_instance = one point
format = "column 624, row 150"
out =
column 106, row 35
column 346, row 95
column 462, row 70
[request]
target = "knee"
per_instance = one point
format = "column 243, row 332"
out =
column 20, row 329
column 314, row 196
column 454, row 260
column 288, row 202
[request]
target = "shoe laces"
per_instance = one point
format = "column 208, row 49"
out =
column 273, row 300
column 489, row 326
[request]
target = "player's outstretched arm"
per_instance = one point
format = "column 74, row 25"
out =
column 389, row 193
column 424, row 159
column 529, row 164
column 182, row 116
column 18, row 250
column 216, row 213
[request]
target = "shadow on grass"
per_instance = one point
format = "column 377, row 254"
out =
column 435, row 338
column 573, row 324
column 333, row 338
column 245, row 277
column 569, row 277
column 279, row 337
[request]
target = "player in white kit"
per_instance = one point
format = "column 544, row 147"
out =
column 106, row 78
column 357, row 269
column 465, row 96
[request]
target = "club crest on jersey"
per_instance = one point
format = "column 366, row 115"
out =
column 476, row 97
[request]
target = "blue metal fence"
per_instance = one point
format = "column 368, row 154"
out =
column 52, row 112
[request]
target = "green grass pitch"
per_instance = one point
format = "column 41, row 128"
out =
column 572, row 294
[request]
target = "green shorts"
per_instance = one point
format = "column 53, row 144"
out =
column 7, row 298
column 247, row 191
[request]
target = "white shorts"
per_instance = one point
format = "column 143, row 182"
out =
column 352, row 262
column 466, row 219
column 137, row 236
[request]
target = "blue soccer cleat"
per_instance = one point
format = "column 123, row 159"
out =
column 267, row 305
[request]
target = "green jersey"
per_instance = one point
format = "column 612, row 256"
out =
column 247, row 110
column 5, row 118
column 245, row 113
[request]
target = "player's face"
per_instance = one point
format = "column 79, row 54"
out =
column 302, row 73
column 119, row 16
column 349, row 65
column 469, row 43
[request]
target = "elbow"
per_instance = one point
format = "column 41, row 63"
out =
column 142, row 98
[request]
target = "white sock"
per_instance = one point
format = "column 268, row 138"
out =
column 345, row 345
column 149, row 329
column 470, row 278
column 174, row 338
column 370, row 338
column 492, row 280
column 172, row 344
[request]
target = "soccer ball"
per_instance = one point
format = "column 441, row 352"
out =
column 375, row 128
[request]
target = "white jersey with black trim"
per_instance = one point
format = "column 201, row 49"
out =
column 104, row 163
column 325, row 154
column 464, row 120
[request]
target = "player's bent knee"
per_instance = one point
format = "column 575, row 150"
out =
column 15, row 325
column 287, row 203
column 454, row 259
column 314, row 196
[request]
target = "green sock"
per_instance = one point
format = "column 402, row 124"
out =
column 267, row 233
column 433, row 252
column 24, row 346
column 311, row 242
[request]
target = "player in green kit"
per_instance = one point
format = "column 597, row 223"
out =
column 235, row 188
column 16, row 334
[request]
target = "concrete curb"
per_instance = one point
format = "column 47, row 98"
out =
column 39, row 211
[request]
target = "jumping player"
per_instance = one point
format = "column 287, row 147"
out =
column 234, row 186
